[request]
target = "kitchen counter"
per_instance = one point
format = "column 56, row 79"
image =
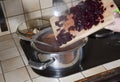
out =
column 107, row 76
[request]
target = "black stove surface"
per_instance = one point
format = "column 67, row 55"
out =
column 101, row 50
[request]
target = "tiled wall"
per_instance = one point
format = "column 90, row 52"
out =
column 18, row 11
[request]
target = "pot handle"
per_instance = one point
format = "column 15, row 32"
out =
column 41, row 65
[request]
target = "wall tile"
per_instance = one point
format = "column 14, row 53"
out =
column 25, row 59
column 32, row 15
column 78, row 0
column 28, row 81
column 112, row 65
column 12, row 64
column 15, row 21
column 66, row 1
column 5, row 37
column 93, row 71
column 13, row 7
column 21, row 50
column 30, row 5
column 47, row 13
column 45, row 79
column 8, row 53
column 0, row 69
column 4, row 33
column 16, row 39
column 69, row 5
column 19, row 75
column 1, row 78
column 72, row 78
column 75, row 2
column 6, row 44
column 32, row 73
column 46, row 3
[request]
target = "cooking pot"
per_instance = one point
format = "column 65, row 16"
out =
column 52, row 57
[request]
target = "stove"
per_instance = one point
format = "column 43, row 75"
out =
column 100, row 50
column 102, row 47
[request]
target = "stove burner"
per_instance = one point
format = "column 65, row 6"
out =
column 102, row 34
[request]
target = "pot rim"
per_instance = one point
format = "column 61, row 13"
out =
column 84, row 40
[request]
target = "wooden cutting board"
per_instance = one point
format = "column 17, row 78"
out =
column 108, row 18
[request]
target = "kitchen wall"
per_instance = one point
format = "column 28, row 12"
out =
column 18, row 11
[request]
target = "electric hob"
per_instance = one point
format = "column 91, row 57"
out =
column 102, row 47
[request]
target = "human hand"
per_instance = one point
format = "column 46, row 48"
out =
column 115, row 26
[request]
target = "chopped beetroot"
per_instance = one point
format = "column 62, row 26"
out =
column 85, row 15
column 111, row 5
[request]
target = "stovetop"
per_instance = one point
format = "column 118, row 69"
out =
column 101, row 50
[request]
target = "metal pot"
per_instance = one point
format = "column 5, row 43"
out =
column 56, row 58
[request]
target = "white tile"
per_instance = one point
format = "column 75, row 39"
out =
column 28, row 81
column 14, row 35
column 30, row 5
column 0, row 69
column 25, row 59
column 17, row 41
column 66, row 1
column 93, row 71
column 1, row 78
column 47, row 13
column 32, row 73
column 5, row 37
column 13, row 7
column 9, row 53
column 73, row 0
column 112, row 64
column 19, row 75
column 32, row 15
column 4, row 33
column 15, row 21
column 21, row 50
column 76, row 2
column 6, row 44
column 72, row 78
column 12, row 64
column 69, row 5
column 46, row 3
column 45, row 79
